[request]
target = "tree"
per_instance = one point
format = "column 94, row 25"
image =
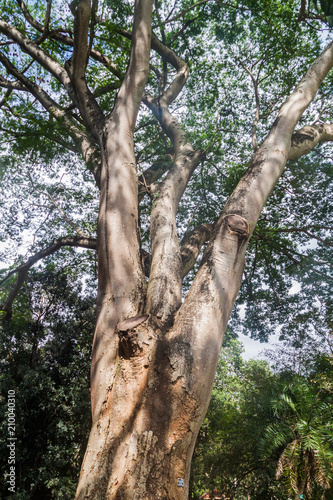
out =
column 267, row 434
column 45, row 358
column 226, row 455
column 302, row 428
column 76, row 80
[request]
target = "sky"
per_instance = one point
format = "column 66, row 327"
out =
column 252, row 347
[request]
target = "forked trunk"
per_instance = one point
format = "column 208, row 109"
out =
column 154, row 357
column 141, row 446
column 152, row 384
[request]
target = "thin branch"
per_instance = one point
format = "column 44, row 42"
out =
column 67, row 40
column 34, row 51
column 172, row 92
column 22, row 270
column 46, row 23
column 306, row 231
column 5, row 98
column 255, row 82
column 69, row 221
column 53, row 138
column 151, row 175
column 85, row 145
column 172, row 58
column 7, row 84
column 47, row 102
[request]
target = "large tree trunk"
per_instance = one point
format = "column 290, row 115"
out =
column 154, row 356
column 152, row 384
column 143, row 441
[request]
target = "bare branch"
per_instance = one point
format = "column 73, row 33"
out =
column 190, row 248
column 257, row 115
column 181, row 67
column 172, row 58
column 151, row 175
column 164, row 290
column 306, row 139
column 163, row 300
column 192, row 244
column 46, row 23
column 85, row 145
column 7, row 84
column 22, row 270
column 132, row 87
column 31, row 20
column 67, row 40
column 69, row 221
column 47, row 102
column 306, row 231
column 89, row 109
column 33, row 50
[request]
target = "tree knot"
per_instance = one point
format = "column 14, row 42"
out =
column 237, row 225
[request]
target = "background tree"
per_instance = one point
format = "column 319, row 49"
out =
column 76, row 79
column 45, row 358
column 302, row 428
column 267, row 434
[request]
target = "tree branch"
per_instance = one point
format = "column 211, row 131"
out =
column 132, row 87
column 69, row 221
column 47, row 102
column 151, row 175
column 22, row 270
column 192, row 244
column 7, row 84
column 211, row 297
column 67, row 40
column 76, row 67
column 34, row 51
column 164, row 289
column 306, row 231
column 172, row 58
column 164, row 293
column 180, row 66
column 46, row 23
column 257, row 115
column 306, row 139
column 86, row 147
column 190, row 248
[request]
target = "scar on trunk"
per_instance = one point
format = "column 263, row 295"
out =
column 129, row 342
column 130, row 323
column 237, row 225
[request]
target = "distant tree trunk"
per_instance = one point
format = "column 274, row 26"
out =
column 300, row 490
